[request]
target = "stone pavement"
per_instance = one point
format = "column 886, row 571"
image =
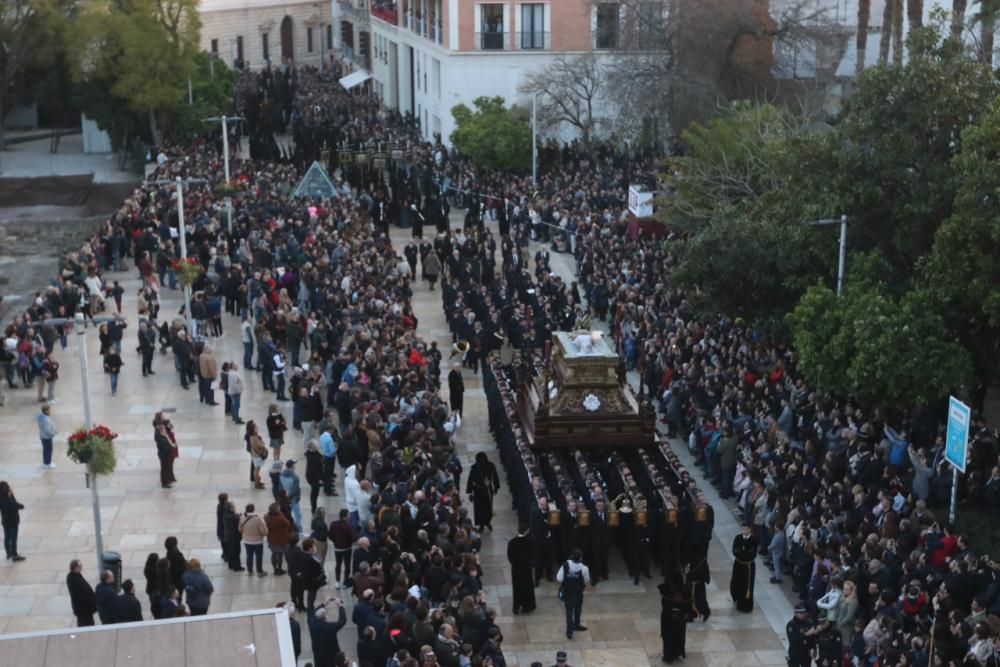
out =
column 623, row 619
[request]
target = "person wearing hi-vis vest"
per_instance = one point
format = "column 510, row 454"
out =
column 573, row 577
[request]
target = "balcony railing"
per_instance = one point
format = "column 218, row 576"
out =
column 353, row 13
column 491, row 41
column 535, row 39
column 425, row 28
column 387, row 15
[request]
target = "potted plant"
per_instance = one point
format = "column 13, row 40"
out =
column 94, row 448
column 188, row 270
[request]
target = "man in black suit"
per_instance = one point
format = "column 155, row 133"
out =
column 81, row 595
column 600, row 540
column 541, row 539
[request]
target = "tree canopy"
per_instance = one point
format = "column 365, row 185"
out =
column 913, row 159
column 493, row 135
column 134, row 58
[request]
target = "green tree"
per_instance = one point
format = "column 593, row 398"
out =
column 212, row 90
column 135, row 56
column 891, row 164
column 888, row 351
column 728, row 161
column 962, row 271
column 493, row 135
column 30, row 31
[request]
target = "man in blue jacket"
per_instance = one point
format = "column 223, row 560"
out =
column 290, row 483
column 105, row 594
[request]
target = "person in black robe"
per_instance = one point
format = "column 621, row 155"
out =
column 456, row 390
column 483, row 482
column 519, row 555
column 698, row 576
column 674, row 610
column 744, row 569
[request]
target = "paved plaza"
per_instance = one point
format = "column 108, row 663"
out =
column 57, row 524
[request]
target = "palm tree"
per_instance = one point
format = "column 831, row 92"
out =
column 958, row 17
column 886, row 39
column 897, row 33
column 915, row 13
column 864, row 15
column 988, row 12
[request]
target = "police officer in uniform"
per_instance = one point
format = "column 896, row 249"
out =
column 800, row 638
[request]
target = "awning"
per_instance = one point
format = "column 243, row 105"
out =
column 355, row 79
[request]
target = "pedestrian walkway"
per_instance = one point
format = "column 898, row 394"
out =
column 57, row 524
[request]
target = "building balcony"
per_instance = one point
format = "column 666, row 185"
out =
column 426, row 28
column 532, row 41
column 491, row 41
column 352, row 12
column 385, row 11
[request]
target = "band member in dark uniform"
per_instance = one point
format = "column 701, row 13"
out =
column 483, row 482
column 522, row 583
column 744, row 569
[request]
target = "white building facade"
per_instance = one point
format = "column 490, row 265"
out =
column 258, row 32
column 429, row 55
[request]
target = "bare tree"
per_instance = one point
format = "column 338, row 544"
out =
column 639, row 41
column 689, row 56
column 864, row 18
column 567, row 92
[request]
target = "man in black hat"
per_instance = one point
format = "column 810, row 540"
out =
column 800, row 638
column 519, row 555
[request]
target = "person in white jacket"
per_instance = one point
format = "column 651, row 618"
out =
column 831, row 599
column 352, row 491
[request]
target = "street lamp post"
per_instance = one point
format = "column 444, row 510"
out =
column 842, row 254
column 183, row 238
column 95, row 498
column 534, row 141
column 80, row 326
column 225, row 160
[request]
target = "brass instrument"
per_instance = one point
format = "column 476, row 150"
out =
column 461, row 347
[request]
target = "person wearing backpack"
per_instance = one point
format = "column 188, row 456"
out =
column 573, row 577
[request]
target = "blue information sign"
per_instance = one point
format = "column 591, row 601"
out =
column 956, row 445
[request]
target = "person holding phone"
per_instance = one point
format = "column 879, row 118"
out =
column 323, row 631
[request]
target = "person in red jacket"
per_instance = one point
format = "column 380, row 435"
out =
column 942, row 545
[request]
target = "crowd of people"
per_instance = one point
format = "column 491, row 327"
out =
column 841, row 498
